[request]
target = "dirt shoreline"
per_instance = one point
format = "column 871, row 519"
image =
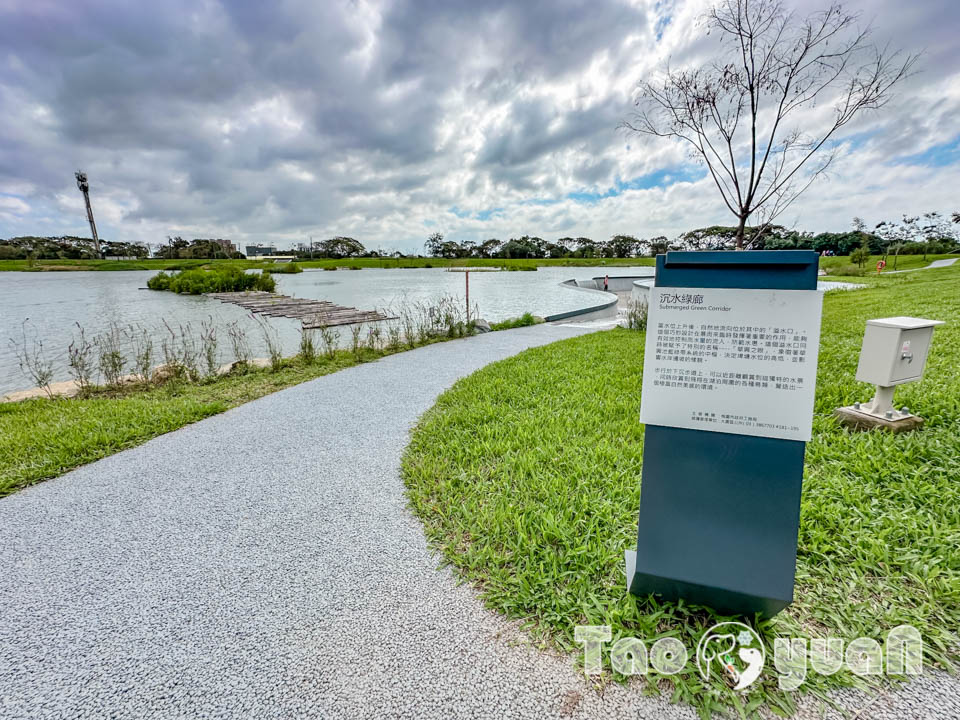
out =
column 71, row 388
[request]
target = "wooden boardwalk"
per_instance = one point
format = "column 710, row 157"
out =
column 312, row 313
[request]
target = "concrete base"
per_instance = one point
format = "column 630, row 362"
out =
column 858, row 420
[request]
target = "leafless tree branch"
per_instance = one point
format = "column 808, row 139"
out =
column 741, row 114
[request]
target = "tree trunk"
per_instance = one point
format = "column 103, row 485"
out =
column 739, row 235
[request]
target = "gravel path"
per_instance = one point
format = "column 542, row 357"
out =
column 262, row 563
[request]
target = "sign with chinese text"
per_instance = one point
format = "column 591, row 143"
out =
column 732, row 361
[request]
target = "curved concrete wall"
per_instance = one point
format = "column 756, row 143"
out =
column 622, row 283
column 617, row 284
column 641, row 290
column 606, row 307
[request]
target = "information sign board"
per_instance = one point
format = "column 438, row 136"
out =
column 732, row 360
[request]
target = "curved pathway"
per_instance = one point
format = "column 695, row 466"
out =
column 946, row 262
column 263, row 563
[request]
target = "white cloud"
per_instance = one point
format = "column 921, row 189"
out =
column 11, row 207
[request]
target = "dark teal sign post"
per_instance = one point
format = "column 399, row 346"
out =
column 719, row 512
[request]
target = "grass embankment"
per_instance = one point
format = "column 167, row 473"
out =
column 527, row 478
column 343, row 263
column 120, row 265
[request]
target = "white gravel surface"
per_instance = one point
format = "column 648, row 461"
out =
column 263, row 563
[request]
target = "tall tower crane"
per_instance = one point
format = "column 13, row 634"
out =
column 85, row 189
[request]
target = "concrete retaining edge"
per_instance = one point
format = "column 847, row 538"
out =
column 607, row 309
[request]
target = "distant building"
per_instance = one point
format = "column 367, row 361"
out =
column 228, row 247
column 260, row 250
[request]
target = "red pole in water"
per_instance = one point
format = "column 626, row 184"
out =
column 467, row 275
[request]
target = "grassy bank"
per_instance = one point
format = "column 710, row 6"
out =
column 527, row 478
column 116, row 265
column 344, row 263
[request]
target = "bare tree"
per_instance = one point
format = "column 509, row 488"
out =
column 740, row 113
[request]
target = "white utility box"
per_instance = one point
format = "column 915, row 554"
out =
column 895, row 350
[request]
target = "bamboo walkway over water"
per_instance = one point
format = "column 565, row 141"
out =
column 312, row 313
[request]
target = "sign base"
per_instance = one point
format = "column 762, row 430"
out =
column 730, row 602
column 718, row 519
column 858, row 420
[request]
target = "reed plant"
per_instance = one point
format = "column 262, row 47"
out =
column 32, row 358
column 209, row 342
column 240, row 345
column 329, row 340
column 637, row 311
column 271, row 341
column 141, row 342
column 80, row 359
column 308, row 348
column 111, row 358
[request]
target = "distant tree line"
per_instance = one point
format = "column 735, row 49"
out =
column 931, row 232
column 176, row 248
column 65, row 247
column 335, row 247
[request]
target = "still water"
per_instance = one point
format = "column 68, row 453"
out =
column 54, row 303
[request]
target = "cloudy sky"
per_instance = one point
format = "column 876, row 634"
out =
column 389, row 120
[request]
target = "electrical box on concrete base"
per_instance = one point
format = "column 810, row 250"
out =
column 895, row 350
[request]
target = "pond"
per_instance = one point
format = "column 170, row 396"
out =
column 54, row 303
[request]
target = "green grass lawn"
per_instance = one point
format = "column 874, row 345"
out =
column 903, row 262
column 527, row 478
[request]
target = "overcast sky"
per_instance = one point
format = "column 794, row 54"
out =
column 386, row 121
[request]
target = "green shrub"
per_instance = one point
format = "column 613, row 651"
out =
column 220, row 279
column 290, row 268
column 522, row 321
column 860, row 256
column 160, row 281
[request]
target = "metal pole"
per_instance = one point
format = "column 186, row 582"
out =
column 467, row 275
